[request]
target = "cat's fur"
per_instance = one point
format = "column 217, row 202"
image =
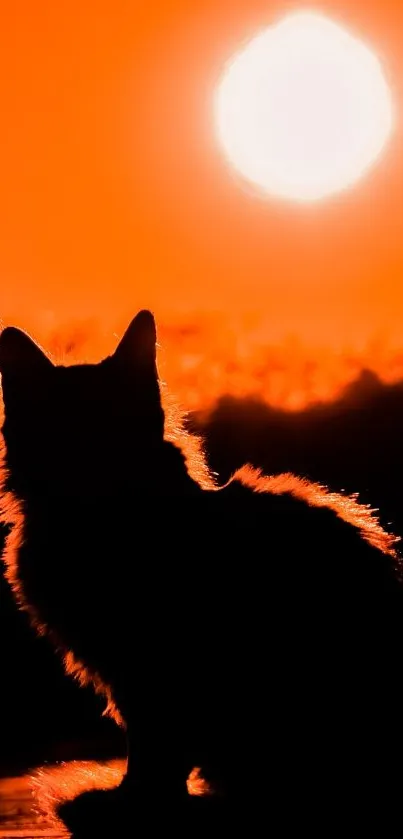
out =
column 254, row 629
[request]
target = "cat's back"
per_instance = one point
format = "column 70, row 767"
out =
column 317, row 605
column 306, row 550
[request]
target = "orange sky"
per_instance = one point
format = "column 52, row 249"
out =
column 115, row 195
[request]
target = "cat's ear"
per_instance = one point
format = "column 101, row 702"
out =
column 20, row 356
column 138, row 347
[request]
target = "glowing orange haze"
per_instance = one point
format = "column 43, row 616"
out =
column 115, row 196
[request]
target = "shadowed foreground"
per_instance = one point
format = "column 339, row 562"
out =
column 27, row 804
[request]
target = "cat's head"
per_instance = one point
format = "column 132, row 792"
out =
column 89, row 425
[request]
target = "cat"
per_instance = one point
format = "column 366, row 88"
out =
column 253, row 629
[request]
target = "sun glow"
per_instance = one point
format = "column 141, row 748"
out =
column 304, row 109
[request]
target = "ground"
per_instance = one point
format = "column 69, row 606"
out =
column 27, row 803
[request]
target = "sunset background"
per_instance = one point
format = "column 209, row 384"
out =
column 115, row 196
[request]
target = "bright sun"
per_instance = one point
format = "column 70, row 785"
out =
column 304, row 109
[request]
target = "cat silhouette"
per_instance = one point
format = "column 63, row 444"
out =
column 253, row 629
